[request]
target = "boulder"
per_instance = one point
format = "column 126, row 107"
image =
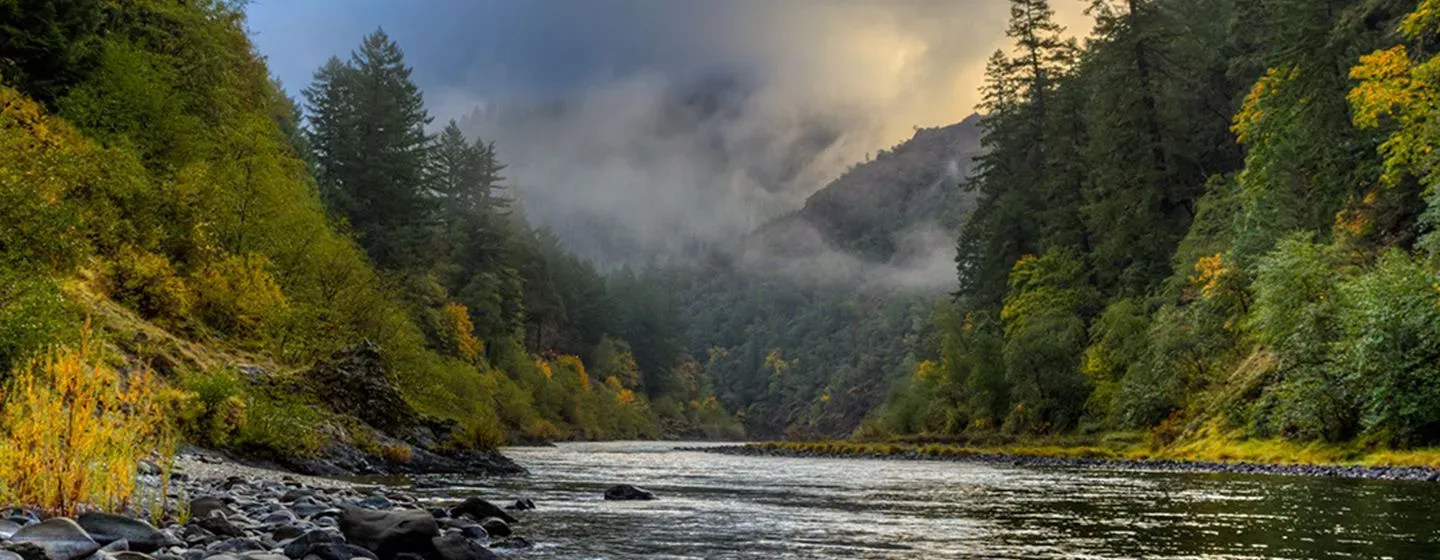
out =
column 107, row 528
column 59, row 537
column 201, row 508
column 236, row 545
column 627, row 492
column 496, row 527
column 218, row 525
column 131, row 555
column 389, row 533
column 337, row 551
column 478, row 508
column 457, row 547
column 354, row 382
column 299, row 547
column 8, row 528
column 287, row 532
column 523, row 504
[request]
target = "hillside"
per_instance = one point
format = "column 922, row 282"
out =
column 807, row 320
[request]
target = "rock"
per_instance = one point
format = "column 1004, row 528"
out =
column 354, row 382
column 236, row 545
column 281, row 517
column 627, row 492
column 148, row 468
column 262, row 556
column 195, row 535
column 474, row 532
column 7, row 555
column 376, row 502
column 120, row 545
column 456, row 547
column 295, row 494
column 8, row 528
column 389, row 533
column 496, row 527
column 60, row 537
column 201, row 508
column 131, row 555
column 337, row 551
column 27, row 551
column 287, row 532
column 219, row 526
column 107, row 528
column 193, row 555
column 299, row 547
column 522, row 504
column 478, row 508
column 512, row 543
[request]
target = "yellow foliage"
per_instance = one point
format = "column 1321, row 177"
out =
column 74, row 429
column 574, row 363
column 457, row 328
column 237, row 295
column 146, row 282
column 1248, row 126
column 544, row 367
column 926, row 370
column 1210, row 274
column 543, row 430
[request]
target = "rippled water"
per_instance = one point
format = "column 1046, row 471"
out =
column 720, row 506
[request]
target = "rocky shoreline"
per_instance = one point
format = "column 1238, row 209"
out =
column 1331, row 471
column 268, row 515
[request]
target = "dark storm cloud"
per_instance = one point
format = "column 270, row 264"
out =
column 645, row 127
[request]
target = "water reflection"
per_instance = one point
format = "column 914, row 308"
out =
column 718, row 506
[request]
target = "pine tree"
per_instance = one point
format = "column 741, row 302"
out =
column 368, row 123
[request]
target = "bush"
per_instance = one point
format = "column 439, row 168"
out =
column 238, row 297
column 74, row 429
column 397, row 453
column 146, row 282
column 281, row 427
column 218, row 408
column 33, row 316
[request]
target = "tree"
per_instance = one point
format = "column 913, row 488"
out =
column 367, row 122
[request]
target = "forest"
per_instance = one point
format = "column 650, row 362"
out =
column 164, row 198
column 1211, row 218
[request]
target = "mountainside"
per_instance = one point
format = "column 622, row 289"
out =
column 807, row 320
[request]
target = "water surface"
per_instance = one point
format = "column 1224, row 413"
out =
column 722, row 506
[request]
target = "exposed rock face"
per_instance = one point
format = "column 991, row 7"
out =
column 354, row 382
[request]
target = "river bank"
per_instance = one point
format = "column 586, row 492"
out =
column 1069, row 457
column 255, row 513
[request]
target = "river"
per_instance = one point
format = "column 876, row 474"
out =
column 723, row 506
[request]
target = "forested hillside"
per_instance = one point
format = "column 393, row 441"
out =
column 805, row 321
column 1212, row 219
column 161, row 192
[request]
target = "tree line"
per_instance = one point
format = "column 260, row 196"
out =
column 1212, row 217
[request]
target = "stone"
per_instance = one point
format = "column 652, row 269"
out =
column 201, row 508
column 219, row 526
column 512, row 543
column 7, row 555
column 457, row 547
column 295, row 494
column 8, row 528
column 107, row 528
column 478, row 508
column 388, row 533
column 355, row 382
column 131, row 555
column 287, row 532
column 278, row 518
column 627, row 492
column 60, row 537
column 337, row 551
column 474, row 532
column 300, row 546
column 376, row 502
column 235, row 545
column 522, row 504
column 496, row 527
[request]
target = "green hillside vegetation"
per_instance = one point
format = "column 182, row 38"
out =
column 155, row 179
column 1212, row 221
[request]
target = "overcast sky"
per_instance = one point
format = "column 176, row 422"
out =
column 822, row 84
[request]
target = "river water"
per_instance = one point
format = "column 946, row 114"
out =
column 723, row 506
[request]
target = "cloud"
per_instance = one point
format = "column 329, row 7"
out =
column 644, row 129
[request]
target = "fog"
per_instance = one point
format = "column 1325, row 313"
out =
column 643, row 130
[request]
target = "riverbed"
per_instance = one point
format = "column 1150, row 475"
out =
column 726, row 506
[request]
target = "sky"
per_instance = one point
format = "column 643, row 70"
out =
column 642, row 127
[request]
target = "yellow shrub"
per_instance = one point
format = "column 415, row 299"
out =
column 74, row 429
column 147, row 283
column 459, row 332
column 238, row 296
column 543, row 430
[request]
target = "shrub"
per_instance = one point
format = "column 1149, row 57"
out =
column 218, row 409
column 281, row 427
column 74, row 429
column 146, row 282
column 397, row 453
column 237, row 296
column 33, row 315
